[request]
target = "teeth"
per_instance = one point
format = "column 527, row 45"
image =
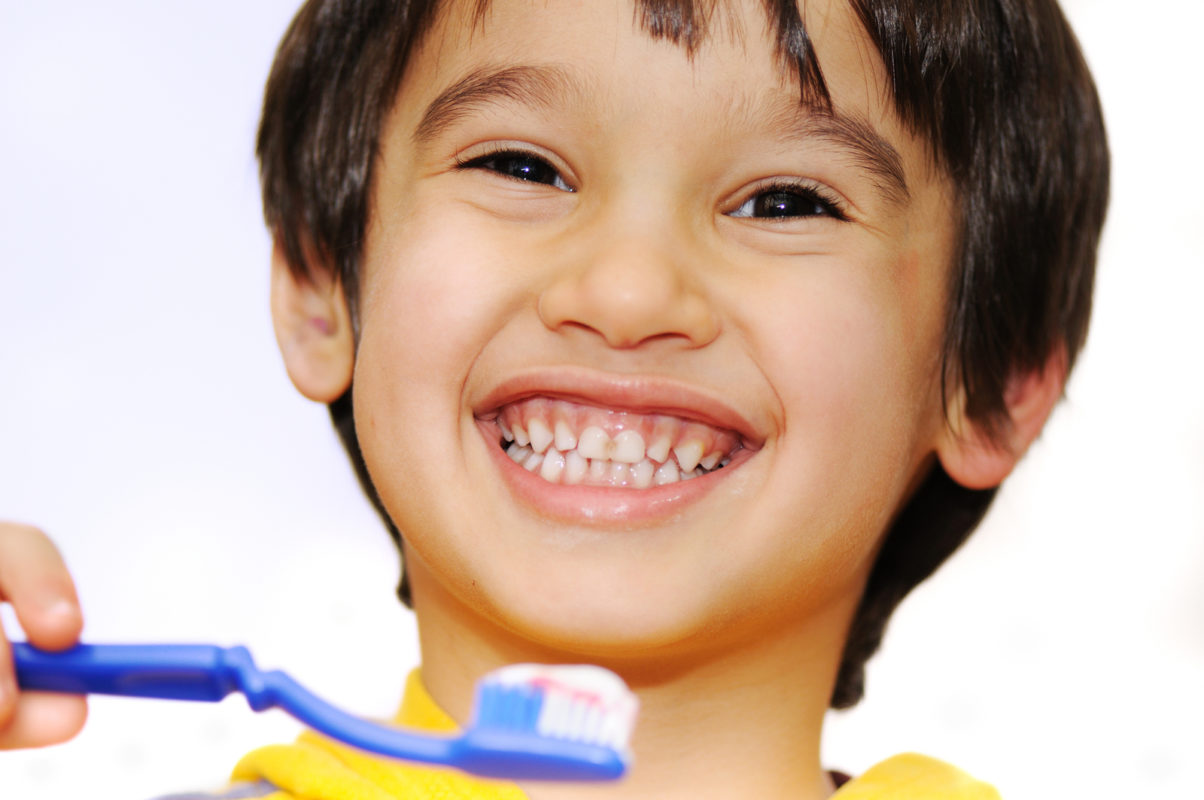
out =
column 619, row 474
column 575, row 467
column 641, row 474
column 658, row 451
column 598, row 469
column 666, row 473
column 688, row 454
column 594, row 443
column 540, row 435
column 565, row 440
column 628, row 447
column 552, row 467
column 548, row 445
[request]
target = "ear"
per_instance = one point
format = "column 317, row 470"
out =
column 975, row 459
column 313, row 330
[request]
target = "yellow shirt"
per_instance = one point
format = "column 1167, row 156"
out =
column 315, row 768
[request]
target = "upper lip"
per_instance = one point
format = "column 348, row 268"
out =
column 642, row 394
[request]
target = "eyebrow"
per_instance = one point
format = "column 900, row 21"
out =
column 536, row 86
column 543, row 86
column 870, row 151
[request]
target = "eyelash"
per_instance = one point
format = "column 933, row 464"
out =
column 540, row 170
column 820, row 202
column 491, row 162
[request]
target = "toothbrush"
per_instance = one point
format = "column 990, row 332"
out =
column 529, row 722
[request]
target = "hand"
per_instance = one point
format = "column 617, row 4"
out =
column 34, row 579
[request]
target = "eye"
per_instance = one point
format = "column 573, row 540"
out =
column 789, row 201
column 520, row 166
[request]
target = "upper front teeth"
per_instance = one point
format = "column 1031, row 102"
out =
column 688, row 454
column 658, row 451
column 570, row 443
column 564, row 439
column 572, row 468
column 602, row 460
column 626, row 447
column 540, row 435
column 594, row 443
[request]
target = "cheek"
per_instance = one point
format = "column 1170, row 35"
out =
column 429, row 301
column 426, row 297
column 845, row 348
column 853, row 358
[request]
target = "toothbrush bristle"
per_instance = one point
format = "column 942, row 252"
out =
column 583, row 704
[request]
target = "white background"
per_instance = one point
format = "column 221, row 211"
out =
column 145, row 421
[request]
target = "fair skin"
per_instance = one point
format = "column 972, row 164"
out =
column 692, row 256
column 34, row 579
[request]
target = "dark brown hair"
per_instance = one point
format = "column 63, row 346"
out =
column 998, row 88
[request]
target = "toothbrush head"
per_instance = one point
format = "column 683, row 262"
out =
column 550, row 722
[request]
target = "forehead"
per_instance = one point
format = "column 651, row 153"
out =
column 690, row 23
column 730, row 66
column 815, row 51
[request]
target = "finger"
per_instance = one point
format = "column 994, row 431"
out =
column 34, row 579
column 42, row 719
column 8, row 682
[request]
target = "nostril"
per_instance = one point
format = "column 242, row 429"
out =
column 629, row 323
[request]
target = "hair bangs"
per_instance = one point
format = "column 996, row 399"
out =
column 689, row 23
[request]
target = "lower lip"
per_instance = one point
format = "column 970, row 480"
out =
column 599, row 505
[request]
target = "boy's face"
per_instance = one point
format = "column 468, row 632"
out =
column 578, row 226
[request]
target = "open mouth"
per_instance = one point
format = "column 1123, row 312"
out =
column 579, row 445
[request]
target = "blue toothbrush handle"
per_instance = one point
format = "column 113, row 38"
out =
column 209, row 673
column 173, row 672
column 507, row 747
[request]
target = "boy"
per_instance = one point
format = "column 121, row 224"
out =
column 828, row 269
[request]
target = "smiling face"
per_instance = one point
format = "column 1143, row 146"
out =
column 649, row 352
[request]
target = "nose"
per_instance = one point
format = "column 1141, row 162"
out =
column 630, row 291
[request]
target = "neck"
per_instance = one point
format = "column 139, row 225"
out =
column 736, row 721
column 735, row 726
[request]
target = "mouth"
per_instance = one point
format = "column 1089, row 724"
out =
column 574, row 444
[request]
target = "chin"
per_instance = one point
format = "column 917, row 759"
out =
column 596, row 618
